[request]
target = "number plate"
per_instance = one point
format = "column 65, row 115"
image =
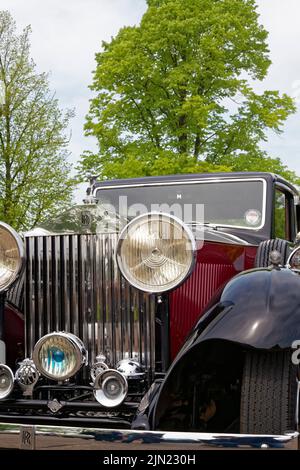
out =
column 27, row 437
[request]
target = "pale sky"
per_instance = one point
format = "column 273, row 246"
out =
column 66, row 34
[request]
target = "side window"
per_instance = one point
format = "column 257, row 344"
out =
column 282, row 215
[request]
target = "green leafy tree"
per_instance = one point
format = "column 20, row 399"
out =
column 34, row 173
column 173, row 94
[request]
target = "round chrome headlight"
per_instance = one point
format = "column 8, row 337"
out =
column 294, row 260
column 59, row 356
column 156, row 252
column 11, row 255
column 6, row 381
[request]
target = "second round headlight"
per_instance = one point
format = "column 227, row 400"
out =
column 11, row 255
column 59, row 356
column 156, row 252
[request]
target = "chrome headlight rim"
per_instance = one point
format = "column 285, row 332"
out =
column 78, row 348
column 21, row 260
column 122, row 237
column 289, row 261
column 12, row 381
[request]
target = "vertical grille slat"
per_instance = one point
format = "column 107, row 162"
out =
column 93, row 299
column 84, row 286
column 55, row 283
column 46, row 286
column 73, row 284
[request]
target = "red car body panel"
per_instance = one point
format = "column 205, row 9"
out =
column 216, row 263
column 13, row 334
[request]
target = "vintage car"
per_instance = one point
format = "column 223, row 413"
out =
column 163, row 311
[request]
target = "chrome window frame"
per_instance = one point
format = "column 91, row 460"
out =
column 211, row 181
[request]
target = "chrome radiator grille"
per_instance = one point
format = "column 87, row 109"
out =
column 73, row 284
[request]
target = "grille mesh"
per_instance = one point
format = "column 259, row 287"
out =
column 72, row 284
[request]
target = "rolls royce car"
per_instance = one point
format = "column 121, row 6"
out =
column 162, row 310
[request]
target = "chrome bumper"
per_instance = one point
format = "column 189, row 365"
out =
column 17, row 436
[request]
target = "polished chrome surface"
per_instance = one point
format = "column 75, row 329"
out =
column 55, row 405
column 150, row 245
column 96, row 369
column 72, row 283
column 275, row 258
column 110, row 388
column 6, row 381
column 130, row 368
column 15, row 294
column 20, row 248
column 27, row 376
column 293, row 261
column 16, row 436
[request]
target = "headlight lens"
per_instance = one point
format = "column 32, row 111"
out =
column 59, row 356
column 11, row 255
column 156, row 252
column 294, row 260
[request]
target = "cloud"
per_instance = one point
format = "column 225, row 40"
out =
column 65, row 37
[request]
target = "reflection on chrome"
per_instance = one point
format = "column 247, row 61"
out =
column 27, row 376
column 6, row 381
column 61, row 437
column 110, row 388
column 130, row 368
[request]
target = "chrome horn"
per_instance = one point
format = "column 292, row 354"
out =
column 110, row 388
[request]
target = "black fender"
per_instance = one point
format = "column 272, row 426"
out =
column 259, row 308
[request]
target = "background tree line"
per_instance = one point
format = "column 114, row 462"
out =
column 174, row 94
column 34, row 171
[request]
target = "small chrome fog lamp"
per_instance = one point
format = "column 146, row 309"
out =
column 59, row 356
column 6, row 381
column 110, row 388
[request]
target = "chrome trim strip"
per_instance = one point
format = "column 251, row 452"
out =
column 216, row 180
column 72, row 438
column 209, row 234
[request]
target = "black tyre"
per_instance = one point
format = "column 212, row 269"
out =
column 269, row 393
column 266, row 247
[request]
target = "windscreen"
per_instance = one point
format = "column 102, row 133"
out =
column 224, row 203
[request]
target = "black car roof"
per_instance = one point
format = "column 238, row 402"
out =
column 193, row 177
